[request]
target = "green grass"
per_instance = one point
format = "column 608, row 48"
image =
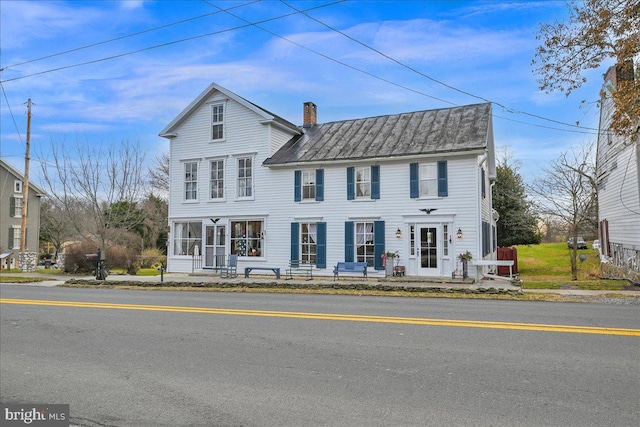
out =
column 18, row 279
column 548, row 266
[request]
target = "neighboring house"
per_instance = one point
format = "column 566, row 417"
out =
column 245, row 181
column 618, row 175
column 11, row 202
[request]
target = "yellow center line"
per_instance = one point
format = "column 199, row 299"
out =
column 347, row 317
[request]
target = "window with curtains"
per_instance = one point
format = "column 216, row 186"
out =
column 308, row 242
column 364, row 243
column 191, row 181
column 363, row 182
column 216, row 179
column 187, row 238
column 247, row 238
column 308, row 184
column 428, row 180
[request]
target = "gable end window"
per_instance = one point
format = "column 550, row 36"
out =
column 217, row 122
column 428, row 179
column 17, row 186
column 191, row 181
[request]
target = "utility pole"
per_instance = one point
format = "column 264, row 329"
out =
column 25, row 185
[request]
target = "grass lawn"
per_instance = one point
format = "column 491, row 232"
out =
column 548, row 266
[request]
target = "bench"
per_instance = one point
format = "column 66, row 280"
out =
column 491, row 275
column 299, row 267
column 248, row 270
column 350, row 267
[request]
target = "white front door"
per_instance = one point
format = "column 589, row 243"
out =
column 429, row 255
column 214, row 246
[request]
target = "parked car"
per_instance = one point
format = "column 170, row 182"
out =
column 596, row 244
column 581, row 244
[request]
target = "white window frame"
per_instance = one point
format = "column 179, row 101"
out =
column 17, row 213
column 16, row 236
column 428, row 179
column 309, row 242
column 190, row 181
column 246, row 237
column 245, row 178
column 363, row 230
column 362, row 182
column 216, row 183
column 17, row 186
column 309, row 184
column 190, row 239
column 217, row 121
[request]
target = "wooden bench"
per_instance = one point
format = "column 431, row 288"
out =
column 350, row 267
column 299, row 267
column 481, row 275
column 248, row 270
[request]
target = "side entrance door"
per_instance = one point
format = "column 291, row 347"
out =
column 214, row 246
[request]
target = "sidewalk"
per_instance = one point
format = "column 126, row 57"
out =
column 344, row 282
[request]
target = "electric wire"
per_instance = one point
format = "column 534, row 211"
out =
column 11, row 113
column 504, row 107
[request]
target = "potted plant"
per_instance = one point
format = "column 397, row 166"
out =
column 465, row 258
column 387, row 260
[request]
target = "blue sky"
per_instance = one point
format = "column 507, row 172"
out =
column 483, row 48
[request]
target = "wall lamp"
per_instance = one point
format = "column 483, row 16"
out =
column 399, row 233
column 459, row 234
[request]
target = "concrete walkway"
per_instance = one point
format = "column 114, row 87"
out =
column 347, row 282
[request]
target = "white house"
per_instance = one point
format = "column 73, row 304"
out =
column 245, row 181
column 618, row 175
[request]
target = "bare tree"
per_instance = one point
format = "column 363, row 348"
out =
column 566, row 191
column 86, row 181
column 596, row 32
column 159, row 175
column 55, row 225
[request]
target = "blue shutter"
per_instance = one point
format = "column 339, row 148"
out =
column 295, row 240
column 375, row 182
column 443, row 190
column 319, row 185
column 414, row 189
column 321, row 245
column 351, row 186
column 297, row 186
column 349, row 248
column 378, row 244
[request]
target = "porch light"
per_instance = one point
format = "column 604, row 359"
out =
column 399, row 233
column 459, row 234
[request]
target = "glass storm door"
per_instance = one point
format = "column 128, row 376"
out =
column 214, row 248
column 428, row 259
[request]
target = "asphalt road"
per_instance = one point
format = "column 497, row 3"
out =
column 227, row 359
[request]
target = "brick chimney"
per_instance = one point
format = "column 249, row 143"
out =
column 310, row 117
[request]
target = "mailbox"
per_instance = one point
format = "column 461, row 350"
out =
column 94, row 258
column 99, row 264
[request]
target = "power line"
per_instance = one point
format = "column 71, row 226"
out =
column 508, row 109
column 165, row 44
column 11, row 113
column 124, row 37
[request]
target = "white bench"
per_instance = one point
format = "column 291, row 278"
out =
column 480, row 274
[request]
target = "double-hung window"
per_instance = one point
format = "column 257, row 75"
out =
column 17, row 186
column 364, row 243
column 428, row 179
column 216, row 179
column 217, row 122
column 14, row 237
column 309, row 243
column 308, row 185
column 245, row 177
column 363, row 182
column 16, row 206
column 191, row 181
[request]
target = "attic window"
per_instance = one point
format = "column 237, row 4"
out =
column 217, row 122
column 17, row 186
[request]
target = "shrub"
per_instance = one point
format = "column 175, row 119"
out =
column 75, row 262
column 152, row 258
column 122, row 257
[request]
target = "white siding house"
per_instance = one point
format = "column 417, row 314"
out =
column 618, row 174
column 245, row 181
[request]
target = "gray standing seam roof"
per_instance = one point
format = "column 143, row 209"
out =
column 447, row 130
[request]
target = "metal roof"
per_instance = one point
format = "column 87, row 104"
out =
column 448, row 130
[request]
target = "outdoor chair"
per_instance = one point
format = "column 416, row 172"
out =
column 231, row 268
